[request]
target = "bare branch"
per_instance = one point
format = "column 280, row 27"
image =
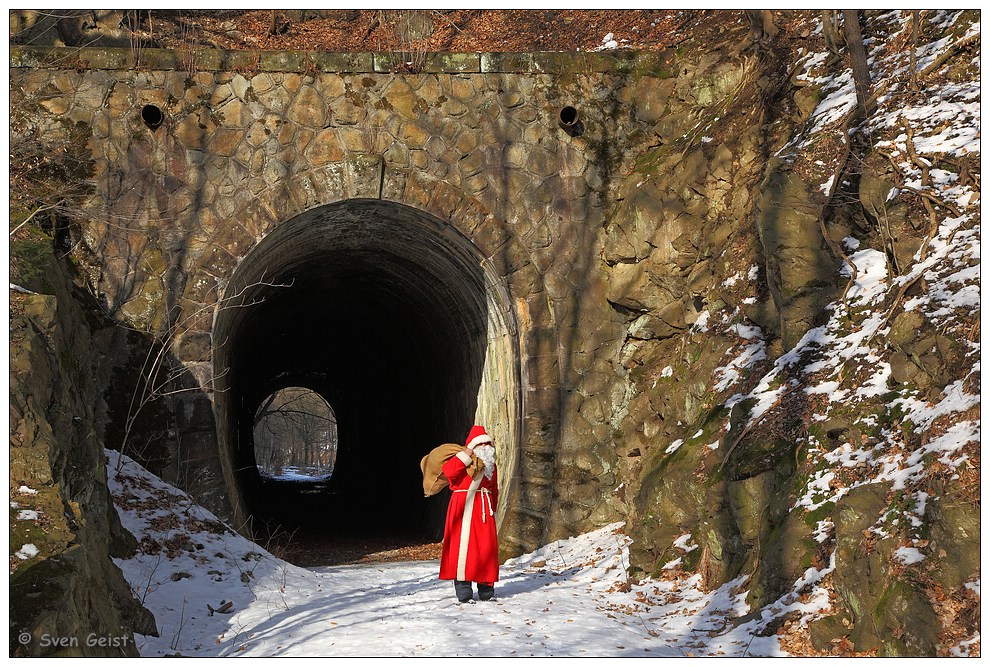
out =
column 41, row 209
column 160, row 373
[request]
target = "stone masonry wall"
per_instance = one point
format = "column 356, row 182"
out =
column 612, row 244
column 246, row 144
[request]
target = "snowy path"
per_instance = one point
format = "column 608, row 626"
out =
column 402, row 609
column 569, row 598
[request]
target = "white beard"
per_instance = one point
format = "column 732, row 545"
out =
column 487, row 455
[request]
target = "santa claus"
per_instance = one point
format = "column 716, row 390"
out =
column 470, row 542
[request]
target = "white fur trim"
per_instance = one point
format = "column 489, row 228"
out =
column 478, row 439
column 464, row 458
column 462, row 547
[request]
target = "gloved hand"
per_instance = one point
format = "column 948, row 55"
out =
column 476, row 467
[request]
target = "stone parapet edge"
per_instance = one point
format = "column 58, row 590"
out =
column 650, row 63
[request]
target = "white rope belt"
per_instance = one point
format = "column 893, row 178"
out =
column 487, row 497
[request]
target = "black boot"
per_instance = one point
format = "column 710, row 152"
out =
column 486, row 591
column 463, row 591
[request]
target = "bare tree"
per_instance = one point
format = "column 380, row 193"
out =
column 860, row 65
column 295, row 427
column 50, row 173
column 915, row 18
column 761, row 25
column 831, row 31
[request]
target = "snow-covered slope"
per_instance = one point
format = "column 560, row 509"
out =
column 569, row 598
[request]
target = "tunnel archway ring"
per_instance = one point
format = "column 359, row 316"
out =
column 391, row 314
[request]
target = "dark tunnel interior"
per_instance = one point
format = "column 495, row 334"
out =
column 381, row 310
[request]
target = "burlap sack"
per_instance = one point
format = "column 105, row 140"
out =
column 431, row 466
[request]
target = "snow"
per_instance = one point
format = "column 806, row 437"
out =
column 837, row 104
column 608, row 43
column 747, row 357
column 569, row 598
column 907, row 436
column 296, row 474
column 823, row 530
column 26, row 552
column 683, row 543
column 819, row 486
column 955, row 399
column 909, row 555
column 28, row 515
column 846, row 358
column 871, row 277
column 962, row 650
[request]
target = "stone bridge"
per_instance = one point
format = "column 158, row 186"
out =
column 422, row 249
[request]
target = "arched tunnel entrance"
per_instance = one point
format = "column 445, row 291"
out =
column 393, row 317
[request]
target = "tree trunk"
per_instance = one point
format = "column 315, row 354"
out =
column 830, row 28
column 915, row 17
column 860, row 66
column 761, row 26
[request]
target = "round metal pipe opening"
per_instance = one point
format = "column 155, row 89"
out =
column 152, row 116
column 570, row 121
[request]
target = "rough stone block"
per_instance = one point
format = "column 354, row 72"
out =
column 194, row 346
column 452, row 62
column 444, row 201
column 530, row 466
column 224, row 142
column 343, row 62
column 282, row 61
column 490, row 237
column 541, row 370
column 324, row 149
column 415, row 135
column 544, row 400
column 363, row 175
column 308, row 108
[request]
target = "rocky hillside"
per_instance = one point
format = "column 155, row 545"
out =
column 792, row 409
column 63, row 527
column 802, row 290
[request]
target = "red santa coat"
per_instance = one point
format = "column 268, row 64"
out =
column 470, row 543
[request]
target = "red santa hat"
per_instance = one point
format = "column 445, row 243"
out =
column 476, row 437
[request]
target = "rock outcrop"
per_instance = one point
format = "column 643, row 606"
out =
column 66, row 595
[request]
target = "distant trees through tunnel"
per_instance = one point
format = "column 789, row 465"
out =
column 295, row 435
column 376, row 346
